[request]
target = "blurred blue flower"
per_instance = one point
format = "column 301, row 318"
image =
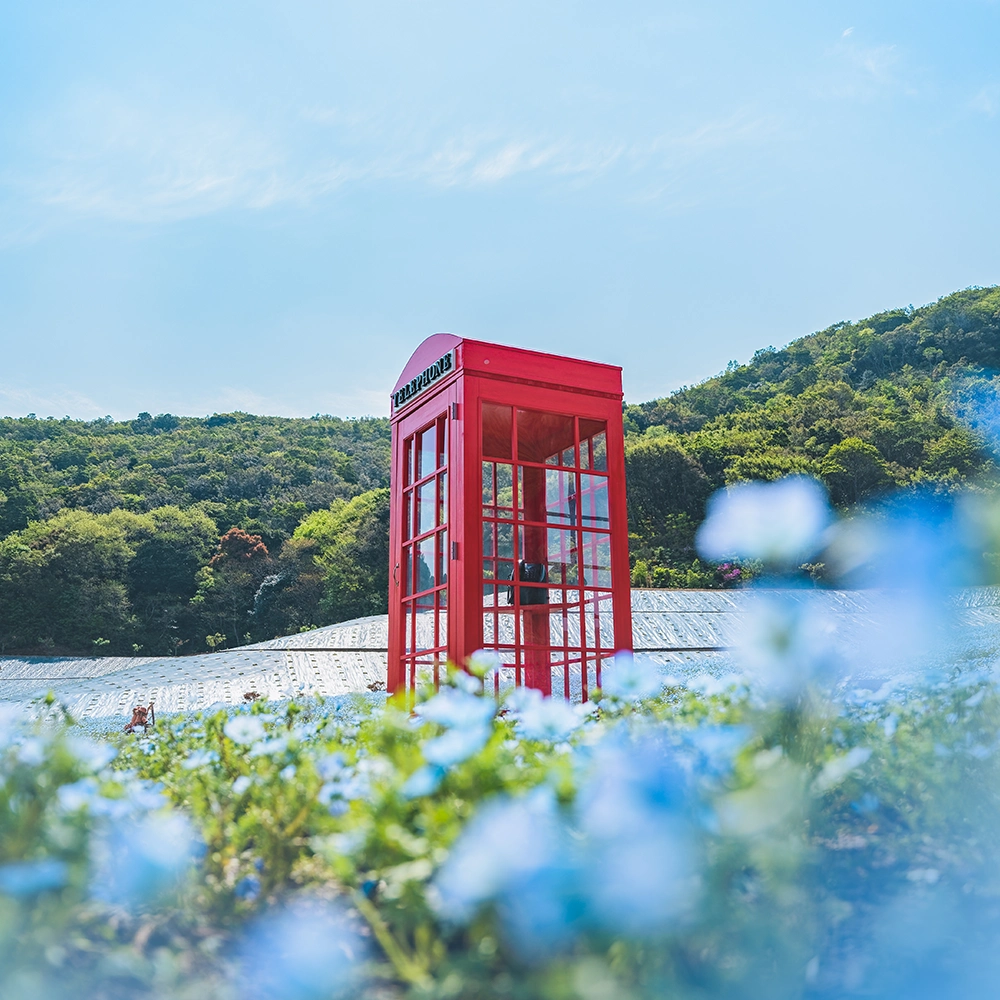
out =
column 424, row 781
column 713, row 749
column 244, row 729
column 78, row 795
column 915, row 541
column 26, row 878
column 786, row 643
column 868, row 803
column 92, row 755
column 307, row 951
column 457, row 709
column 266, row 748
column 483, row 662
column 199, row 758
column 538, row 718
column 140, row 859
column 631, row 678
column 331, row 766
column 456, row 745
column 780, row 523
column 241, row 784
column 634, row 811
column 505, row 844
column 247, row 888
column 12, row 721
column 32, row 751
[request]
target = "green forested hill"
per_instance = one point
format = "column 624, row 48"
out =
column 176, row 534
column 864, row 406
column 261, row 473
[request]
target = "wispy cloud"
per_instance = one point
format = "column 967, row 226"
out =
column 104, row 155
column 18, row 401
column 864, row 71
column 987, row 100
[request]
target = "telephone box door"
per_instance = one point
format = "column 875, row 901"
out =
column 421, row 543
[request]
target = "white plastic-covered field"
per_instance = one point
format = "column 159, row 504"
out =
column 689, row 633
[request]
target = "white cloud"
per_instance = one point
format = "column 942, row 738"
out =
column 133, row 159
column 18, row 401
column 987, row 101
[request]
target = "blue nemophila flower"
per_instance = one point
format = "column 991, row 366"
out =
column 834, row 771
column 331, row 766
column 538, row 718
column 308, row 951
column 268, row 748
column 245, row 729
column 785, row 644
column 28, row 878
column 140, row 859
column 12, row 721
column 92, row 755
column 424, row 781
column 781, row 523
column 78, row 795
column 483, row 662
column 32, row 751
column 287, row 773
column 631, row 678
column 241, row 784
column 199, row 758
column 455, row 745
column 456, row 709
column 247, row 888
column 868, row 803
column 505, row 844
column 634, row 813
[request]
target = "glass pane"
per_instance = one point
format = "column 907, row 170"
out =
column 596, row 559
column 593, row 445
column 497, row 428
column 426, row 503
column 562, row 556
column 408, row 462
column 442, row 574
column 543, row 437
column 407, row 515
column 594, row 501
column 428, row 451
column 408, row 569
column 532, row 489
column 488, row 494
column 442, row 636
column 560, row 496
column 498, row 490
column 425, row 563
column 442, row 442
column 409, row 613
column 443, row 498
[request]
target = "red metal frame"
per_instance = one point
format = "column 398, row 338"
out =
column 507, row 463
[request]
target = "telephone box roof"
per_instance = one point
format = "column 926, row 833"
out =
column 512, row 363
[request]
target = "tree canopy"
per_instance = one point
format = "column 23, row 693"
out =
column 168, row 534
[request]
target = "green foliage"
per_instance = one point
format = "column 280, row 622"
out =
column 353, row 543
column 864, row 406
column 262, row 474
column 825, row 820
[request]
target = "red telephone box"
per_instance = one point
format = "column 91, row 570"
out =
column 508, row 529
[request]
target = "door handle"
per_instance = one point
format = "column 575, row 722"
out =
column 395, row 575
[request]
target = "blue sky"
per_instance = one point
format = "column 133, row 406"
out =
column 266, row 206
